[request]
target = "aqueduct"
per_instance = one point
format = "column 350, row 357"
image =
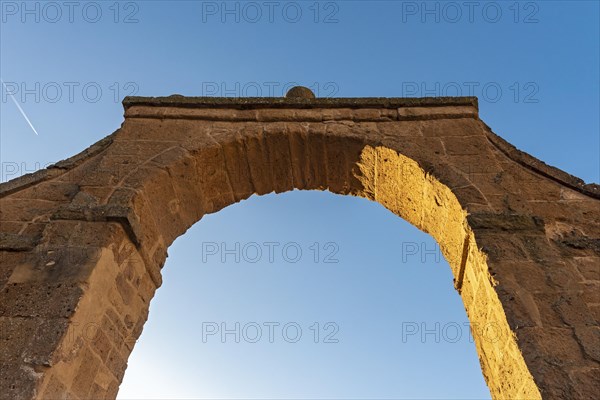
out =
column 83, row 242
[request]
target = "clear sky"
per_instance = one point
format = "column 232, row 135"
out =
column 533, row 65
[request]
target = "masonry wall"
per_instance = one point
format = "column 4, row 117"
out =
column 83, row 242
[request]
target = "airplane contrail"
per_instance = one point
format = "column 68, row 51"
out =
column 19, row 107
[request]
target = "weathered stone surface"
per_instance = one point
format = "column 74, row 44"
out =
column 300, row 92
column 505, row 222
column 82, row 243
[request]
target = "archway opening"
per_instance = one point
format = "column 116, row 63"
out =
column 372, row 296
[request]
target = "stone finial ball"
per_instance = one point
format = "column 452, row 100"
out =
column 300, row 92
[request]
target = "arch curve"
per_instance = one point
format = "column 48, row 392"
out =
column 86, row 239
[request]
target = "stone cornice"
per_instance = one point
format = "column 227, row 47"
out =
column 296, row 102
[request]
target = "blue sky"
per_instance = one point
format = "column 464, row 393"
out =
column 533, row 65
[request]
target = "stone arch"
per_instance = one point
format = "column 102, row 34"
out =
column 83, row 241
